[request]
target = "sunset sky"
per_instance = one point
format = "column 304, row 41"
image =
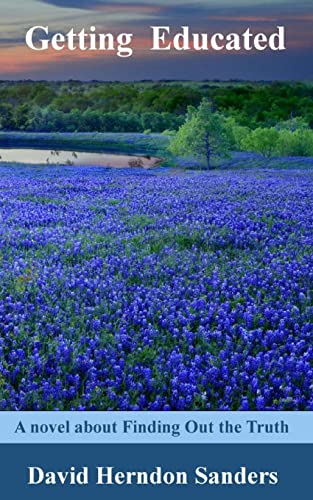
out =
column 17, row 61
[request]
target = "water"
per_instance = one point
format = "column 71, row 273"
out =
column 48, row 157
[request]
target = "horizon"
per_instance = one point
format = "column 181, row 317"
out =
column 161, row 80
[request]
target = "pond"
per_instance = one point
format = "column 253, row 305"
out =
column 79, row 159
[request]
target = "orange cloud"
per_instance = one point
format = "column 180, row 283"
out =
column 20, row 58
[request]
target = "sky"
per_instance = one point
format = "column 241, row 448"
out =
column 18, row 62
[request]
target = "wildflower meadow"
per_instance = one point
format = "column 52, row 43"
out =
column 140, row 290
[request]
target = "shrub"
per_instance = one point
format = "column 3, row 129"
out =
column 261, row 140
column 298, row 143
column 136, row 163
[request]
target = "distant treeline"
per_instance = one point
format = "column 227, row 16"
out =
column 146, row 106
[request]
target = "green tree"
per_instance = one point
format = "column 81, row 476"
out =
column 262, row 140
column 297, row 123
column 6, row 116
column 236, row 133
column 297, row 143
column 204, row 135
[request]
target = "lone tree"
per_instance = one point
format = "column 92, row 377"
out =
column 205, row 134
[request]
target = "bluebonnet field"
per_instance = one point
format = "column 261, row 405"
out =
column 133, row 290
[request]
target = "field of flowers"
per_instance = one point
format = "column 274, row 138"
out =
column 129, row 290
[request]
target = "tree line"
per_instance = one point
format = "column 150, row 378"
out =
column 147, row 106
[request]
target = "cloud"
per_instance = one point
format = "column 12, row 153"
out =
column 11, row 42
column 180, row 12
column 101, row 5
column 18, row 65
column 75, row 4
column 202, row 16
column 177, row 4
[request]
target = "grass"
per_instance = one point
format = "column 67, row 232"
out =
column 128, row 143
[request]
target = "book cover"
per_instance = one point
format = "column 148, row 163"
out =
column 156, row 230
